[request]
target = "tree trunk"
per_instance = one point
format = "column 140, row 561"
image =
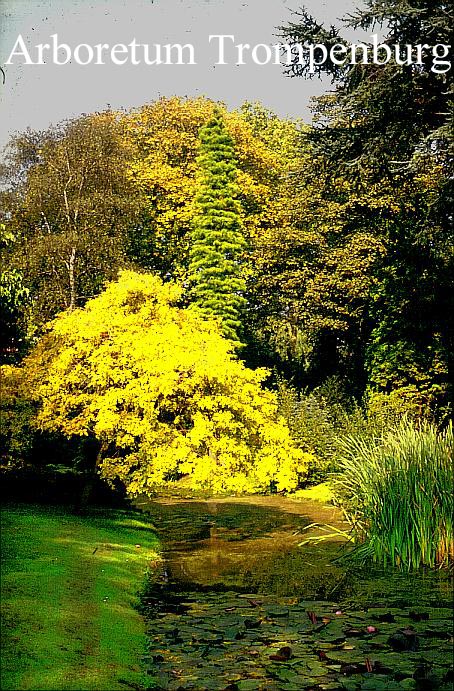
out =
column 72, row 279
column 89, row 484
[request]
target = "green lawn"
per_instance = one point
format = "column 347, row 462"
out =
column 68, row 588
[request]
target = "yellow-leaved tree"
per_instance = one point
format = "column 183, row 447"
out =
column 161, row 390
column 164, row 137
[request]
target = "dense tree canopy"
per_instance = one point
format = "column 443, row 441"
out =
column 238, row 302
column 69, row 205
column 165, row 140
column 382, row 114
column 347, row 256
column 383, row 141
column 14, row 299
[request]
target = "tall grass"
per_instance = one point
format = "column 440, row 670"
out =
column 397, row 492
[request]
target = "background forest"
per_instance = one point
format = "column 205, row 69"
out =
column 188, row 290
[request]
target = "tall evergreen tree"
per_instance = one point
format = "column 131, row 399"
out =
column 217, row 239
column 387, row 131
column 378, row 116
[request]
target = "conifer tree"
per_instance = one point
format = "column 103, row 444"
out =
column 217, row 239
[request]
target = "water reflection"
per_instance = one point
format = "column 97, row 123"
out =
column 247, row 543
column 240, row 605
column 253, row 544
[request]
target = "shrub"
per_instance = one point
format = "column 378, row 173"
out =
column 311, row 422
column 321, row 419
column 159, row 388
column 16, row 413
column 385, row 411
column 397, row 493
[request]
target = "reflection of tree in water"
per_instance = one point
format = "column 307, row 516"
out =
column 245, row 543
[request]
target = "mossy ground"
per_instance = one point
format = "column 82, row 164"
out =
column 69, row 585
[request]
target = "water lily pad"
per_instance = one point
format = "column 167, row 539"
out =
column 276, row 612
column 247, row 685
column 203, row 641
column 350, row 685
column 317, row 669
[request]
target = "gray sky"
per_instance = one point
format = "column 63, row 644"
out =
column 38, row 95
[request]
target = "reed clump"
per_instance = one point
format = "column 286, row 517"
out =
column 397, row 492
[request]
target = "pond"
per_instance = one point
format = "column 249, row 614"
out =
column 239, row 604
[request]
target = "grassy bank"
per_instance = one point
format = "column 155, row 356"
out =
column 68, row 588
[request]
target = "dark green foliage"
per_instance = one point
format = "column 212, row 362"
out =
column 394, row 108
column 217, row 239
column 387, row 130
column 320, row 420
column 411, row 344
column 315, row 423
column 14, row 300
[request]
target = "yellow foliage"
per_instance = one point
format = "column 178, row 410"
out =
column 322, row 493
column 164, row 136
column 161, row 390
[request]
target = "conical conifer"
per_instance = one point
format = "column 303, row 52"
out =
column 217, row 239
